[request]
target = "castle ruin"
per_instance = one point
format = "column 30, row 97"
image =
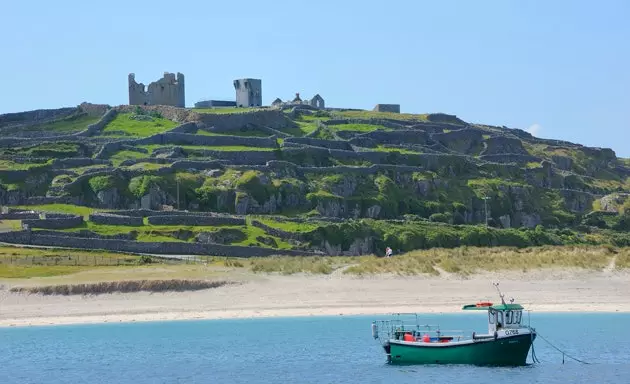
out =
column 169, row 90
column 248, row 92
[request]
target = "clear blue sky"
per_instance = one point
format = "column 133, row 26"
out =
column 560, row 68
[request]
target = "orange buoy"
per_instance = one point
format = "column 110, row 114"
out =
column 408, row 337
column 426, row 338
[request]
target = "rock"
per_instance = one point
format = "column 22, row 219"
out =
column 612, row 202
column 214, row 173
column 155, row 199
column 505, row 221
column 110, row 198
column 221, row 236
column 270, row 241
column 562, row 162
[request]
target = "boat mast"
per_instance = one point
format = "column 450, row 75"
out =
column 496, row 285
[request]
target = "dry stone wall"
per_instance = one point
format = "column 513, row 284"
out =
column 195, row 220
column 274, row 119
column 157, row 248
column 112, row 219
column 54, row 223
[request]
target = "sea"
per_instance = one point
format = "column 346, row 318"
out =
column 337, row 349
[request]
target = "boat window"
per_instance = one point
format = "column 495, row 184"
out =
column 508, row 317
column 491, row 317
column 517, row 317
column 500, row 318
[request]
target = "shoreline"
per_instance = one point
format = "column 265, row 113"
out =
column 254, row 314
column 274, row 296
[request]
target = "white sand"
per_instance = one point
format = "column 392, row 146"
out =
column 543, row 291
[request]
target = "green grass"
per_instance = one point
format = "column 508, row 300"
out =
column 123, row 125
column 382, row 115
column 288, row 226
column 469, row 260
column 147, row 166
column 61, row 208
column 8, row 165
column 359, row 127
column 121, row 156
column 20, row 263
column 67, row 125
column 381, row 148
column 289, row 266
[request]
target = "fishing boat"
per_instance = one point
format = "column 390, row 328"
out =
column 507, row 342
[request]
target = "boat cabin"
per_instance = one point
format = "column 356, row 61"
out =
column 500, row 316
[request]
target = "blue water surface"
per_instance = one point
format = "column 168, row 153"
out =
column 296, row 350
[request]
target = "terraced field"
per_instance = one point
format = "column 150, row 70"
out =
column 301, row 181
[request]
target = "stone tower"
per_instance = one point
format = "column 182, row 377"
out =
column 169, row 90
column 248, row 92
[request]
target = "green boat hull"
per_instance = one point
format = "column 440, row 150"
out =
column 508, row 351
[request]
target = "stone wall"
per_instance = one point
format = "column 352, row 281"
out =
column 234, row 121
column 195, row 220
column 157, row 248
column 498, row 145
column 463, row 140
column 393, row 108
column 278, row 232
column 85, row 234
column 19, row 216
column 188, row 139
column 180, row 115
column 112, row 219
column 78, row 162
column 332, row 144
column 38, row 116
column 97, row 127
column 510, row 158
column 54, row 223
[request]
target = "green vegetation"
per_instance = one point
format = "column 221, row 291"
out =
column 382, row 115
column 127, row 124
column 359, row 127
column 466, row 260
column 61, row 208
column 74, row 123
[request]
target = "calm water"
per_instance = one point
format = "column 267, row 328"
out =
column 305, row 350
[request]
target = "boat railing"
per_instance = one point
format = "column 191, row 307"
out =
column 396, row 329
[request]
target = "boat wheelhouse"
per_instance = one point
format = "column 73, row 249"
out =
column 507, row 341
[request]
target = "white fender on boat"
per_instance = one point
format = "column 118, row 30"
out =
column 374, row 331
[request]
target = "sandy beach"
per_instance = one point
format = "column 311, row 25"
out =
column 271, row 295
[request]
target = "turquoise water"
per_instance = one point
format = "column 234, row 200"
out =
column 290, row 350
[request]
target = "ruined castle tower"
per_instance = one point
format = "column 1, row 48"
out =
column 169, row 90
column 248, row 92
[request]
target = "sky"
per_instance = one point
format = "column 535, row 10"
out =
column 558, row 69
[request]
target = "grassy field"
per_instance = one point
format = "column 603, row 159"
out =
column 8, row 165
column 61, row 208
column 358, row 127
column 382, row 115
column 381, row 148
column 61, row 268
column 68, row 125
column 124, row 125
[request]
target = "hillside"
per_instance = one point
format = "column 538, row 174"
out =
column 255, row 182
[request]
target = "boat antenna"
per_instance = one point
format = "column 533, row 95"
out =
column 496, row 285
